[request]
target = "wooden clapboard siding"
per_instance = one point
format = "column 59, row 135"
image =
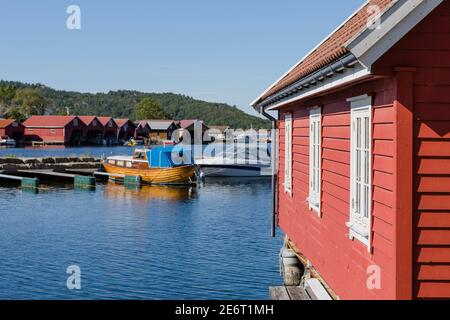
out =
column 324, row 239
column 427, row 48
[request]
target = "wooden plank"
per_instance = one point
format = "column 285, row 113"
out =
column 383, row 164
column 279, row 293
column 434, row 255
column 434, row 237
column 432, row 129
column 434, row 202
column 434, row 219
column 298, row 293
column 434, row 272
column 116, row 175
column 383, row 147
column 433, row 148
column 383, row 115
column 434, row 290
column 433, row 184
column 384, row 131
column 48, row 173
column 9, row 177
column 316, row 291
column 433, row 166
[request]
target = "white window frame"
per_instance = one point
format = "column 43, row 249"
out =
column 360, row 224
column 315, row 159
column 288, row 133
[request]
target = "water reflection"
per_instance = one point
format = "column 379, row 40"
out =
column 147, row 193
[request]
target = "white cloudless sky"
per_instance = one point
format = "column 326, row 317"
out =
column 222, row 51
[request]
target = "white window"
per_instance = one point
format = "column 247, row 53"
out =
column 361, row 169
column 288, row 154
column 315, row 158
column 75, row 122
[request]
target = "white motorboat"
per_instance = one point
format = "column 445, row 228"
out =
column 230, row 165
column 219, row 167
column 6, row 141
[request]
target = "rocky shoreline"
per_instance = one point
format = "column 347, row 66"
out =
column 9, row 163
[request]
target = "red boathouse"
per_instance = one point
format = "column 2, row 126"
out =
column 54, row 130
column 110, row 129
column 93, row 133
column 126, row 129
column 13, row 129
column 363, row 188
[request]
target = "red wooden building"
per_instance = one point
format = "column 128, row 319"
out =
column 54, row 129
column 363, row 187
column 110, row 129
column 12, row 129
column 93, row 133
column 142, row 129
column 126, row 129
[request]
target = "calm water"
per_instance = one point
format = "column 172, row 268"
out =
column 155, row 243
column 61, row 151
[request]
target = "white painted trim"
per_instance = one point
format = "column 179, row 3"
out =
column 288, row 156
column 396, row 22
column 315, row 288
column 360, row 104
column 315, row 115
column 347, row 77
column 255, row 102
column 358, row 98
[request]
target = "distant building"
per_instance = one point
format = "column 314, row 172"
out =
column 126, row 129
column 93, row 133
column 110, row 129
column 12, row 129
column 218, row 133
column 54, row 129
column 142, row 129
column 161, row 129
column 190, row 126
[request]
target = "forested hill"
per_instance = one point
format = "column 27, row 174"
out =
column 120, row 104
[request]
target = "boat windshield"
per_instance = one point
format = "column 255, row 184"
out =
column 139, row 155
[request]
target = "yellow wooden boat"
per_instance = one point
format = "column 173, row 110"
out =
column 154, row 166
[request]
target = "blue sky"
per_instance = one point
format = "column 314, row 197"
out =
column 223, row 51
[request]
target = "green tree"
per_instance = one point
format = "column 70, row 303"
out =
column 30, row 101
column 148, row 108
column 16, row 114
column 7, row 93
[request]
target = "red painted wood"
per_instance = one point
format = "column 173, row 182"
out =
column 434, row 273
column 434, row 290
column 434, row 219
column 411, row 167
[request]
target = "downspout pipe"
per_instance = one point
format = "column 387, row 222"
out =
column 274, row 153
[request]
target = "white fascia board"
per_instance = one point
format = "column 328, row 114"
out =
column 255, row 102
column 349, row 75
column 396, row 22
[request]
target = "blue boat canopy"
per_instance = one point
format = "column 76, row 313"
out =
column 169, row 157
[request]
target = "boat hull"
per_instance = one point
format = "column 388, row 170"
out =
column 161, row 176
column 234, row 171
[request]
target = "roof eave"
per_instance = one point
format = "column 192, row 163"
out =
column 393, row 24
